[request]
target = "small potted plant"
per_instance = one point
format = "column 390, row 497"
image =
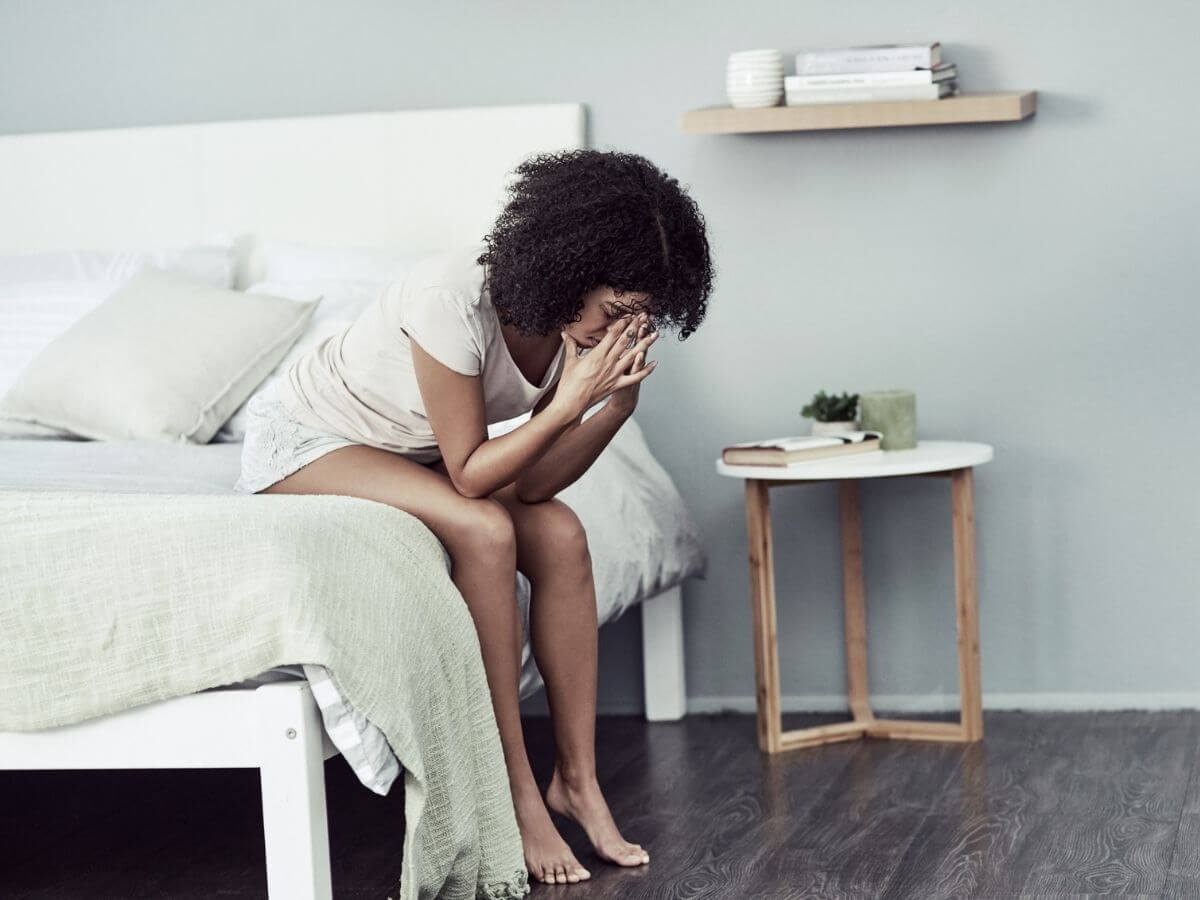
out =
column 831, row 413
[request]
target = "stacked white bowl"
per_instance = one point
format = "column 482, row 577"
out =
column 754, row 78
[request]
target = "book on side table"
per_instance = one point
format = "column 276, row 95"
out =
column 783, row 451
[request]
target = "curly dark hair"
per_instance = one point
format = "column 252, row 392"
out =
column 578, row 219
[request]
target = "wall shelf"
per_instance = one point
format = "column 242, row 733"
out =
column 984, row 106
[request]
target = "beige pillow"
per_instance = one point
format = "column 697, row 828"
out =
column 162, row 358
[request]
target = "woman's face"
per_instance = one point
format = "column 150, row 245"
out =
column 602, row 307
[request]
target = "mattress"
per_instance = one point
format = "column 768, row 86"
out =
column 641, row 536
column 131, row 466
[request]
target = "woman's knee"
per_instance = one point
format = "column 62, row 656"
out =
column 486, row 533
column 558, row 536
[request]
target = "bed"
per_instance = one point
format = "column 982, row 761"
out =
column 424, row 180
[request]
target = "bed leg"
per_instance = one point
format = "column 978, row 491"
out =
column 662, row 656
column 293, row 793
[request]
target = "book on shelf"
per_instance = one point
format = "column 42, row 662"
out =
column 879, row 94
column 874, row 58
column 783, row 451
column 945, row 71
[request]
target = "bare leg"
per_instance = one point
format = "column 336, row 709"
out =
column 552, row 552
column 479, row 535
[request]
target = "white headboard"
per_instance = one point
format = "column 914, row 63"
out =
column 421, row 179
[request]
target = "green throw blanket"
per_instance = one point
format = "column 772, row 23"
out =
column 109, row 601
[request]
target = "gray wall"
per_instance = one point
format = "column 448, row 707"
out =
column 1034, row 284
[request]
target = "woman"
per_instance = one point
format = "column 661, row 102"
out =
column 593, row 251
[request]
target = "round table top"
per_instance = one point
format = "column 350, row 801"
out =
column 927, row 456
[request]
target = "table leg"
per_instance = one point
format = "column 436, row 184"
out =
column 855, row 602
column 966, row 602
column 762, row 603
column 771, row 737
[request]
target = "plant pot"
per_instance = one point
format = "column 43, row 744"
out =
column 833, row 427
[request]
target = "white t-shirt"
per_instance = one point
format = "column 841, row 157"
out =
column 360, row 383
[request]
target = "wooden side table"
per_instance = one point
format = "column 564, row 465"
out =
column 952, row 459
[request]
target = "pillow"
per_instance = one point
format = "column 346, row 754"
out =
column 211, row 263
column 162, row 358
column 297, row 263
column 15, row 429
column 42, row 294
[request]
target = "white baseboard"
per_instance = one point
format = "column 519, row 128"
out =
column 906, row 703
column 917, row 703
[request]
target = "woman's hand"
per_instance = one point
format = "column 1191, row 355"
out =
column 588, row 379
column 624, row 400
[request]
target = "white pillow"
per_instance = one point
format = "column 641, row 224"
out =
column 15, row 429
column 161, row 358
column 210, row 263
column 297, row 263
column 42, row 294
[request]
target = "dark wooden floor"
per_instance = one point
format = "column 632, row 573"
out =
column 1049, row 805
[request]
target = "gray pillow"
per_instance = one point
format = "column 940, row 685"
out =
column 161, row 358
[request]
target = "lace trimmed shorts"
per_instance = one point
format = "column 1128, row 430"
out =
column 276, row 445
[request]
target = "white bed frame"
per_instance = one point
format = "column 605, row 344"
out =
column 422, row 179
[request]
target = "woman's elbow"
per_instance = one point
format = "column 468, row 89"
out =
column 468, row 486
column 467, row 489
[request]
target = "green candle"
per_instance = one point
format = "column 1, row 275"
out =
column 895, row 414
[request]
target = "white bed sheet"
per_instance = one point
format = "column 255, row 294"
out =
column 642, row 538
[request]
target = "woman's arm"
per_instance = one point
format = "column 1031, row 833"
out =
column 571, row 453
column 454, row 406
column 577, row 448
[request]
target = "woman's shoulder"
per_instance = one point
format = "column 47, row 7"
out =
column 452, row 275
column 438, row 304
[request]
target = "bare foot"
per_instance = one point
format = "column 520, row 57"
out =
column 547, row 855
column 583, row 802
